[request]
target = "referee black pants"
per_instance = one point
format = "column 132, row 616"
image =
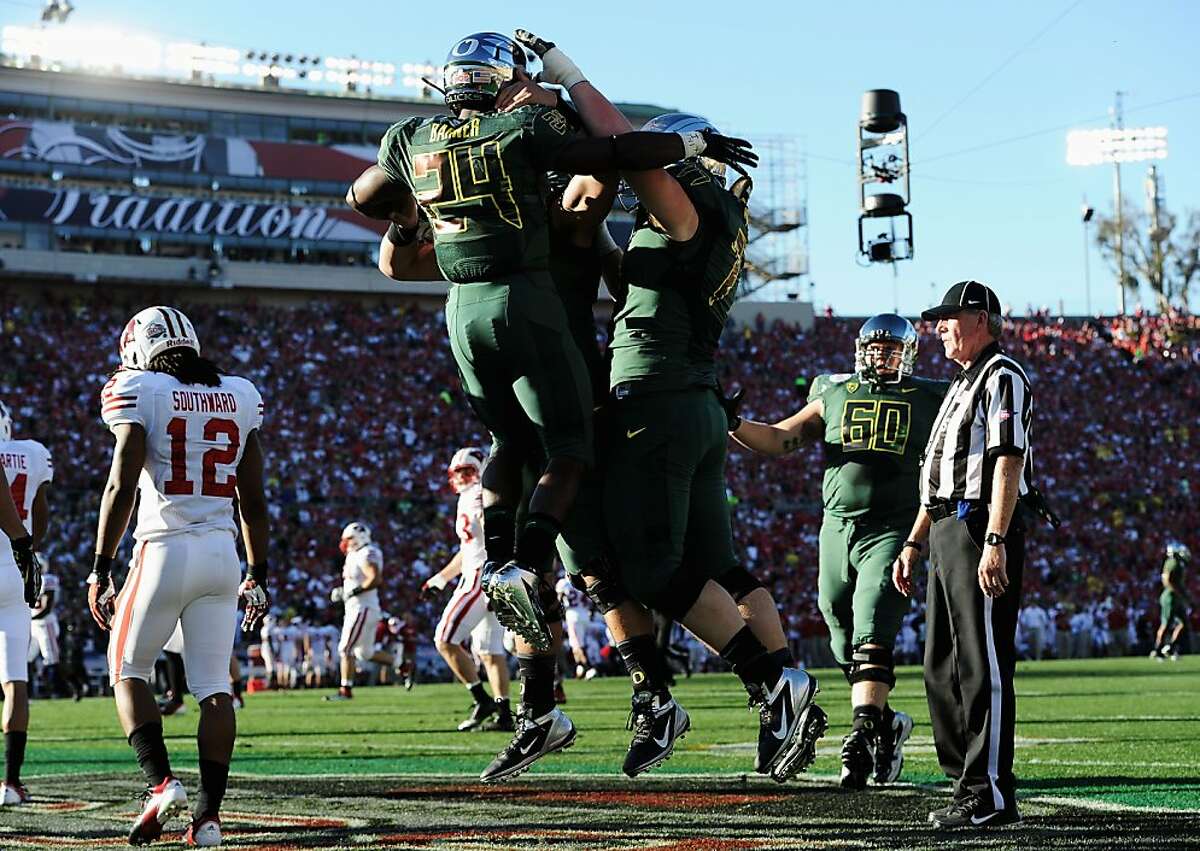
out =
column 970, row 658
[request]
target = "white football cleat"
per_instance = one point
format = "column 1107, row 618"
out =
column 205, row 833
column 13, row 796
column 163, row 802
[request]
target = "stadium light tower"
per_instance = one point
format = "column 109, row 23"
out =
column 1117, row 145
column 883, row 169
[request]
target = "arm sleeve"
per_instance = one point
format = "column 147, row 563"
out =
column 1008, row 408
column 124, row 399
column 394, row 157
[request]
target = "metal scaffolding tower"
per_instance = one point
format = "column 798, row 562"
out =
column 777, row 248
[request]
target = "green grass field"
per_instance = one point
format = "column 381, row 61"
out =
column 1108, row 753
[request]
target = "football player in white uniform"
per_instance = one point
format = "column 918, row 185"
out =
column 466, row 614
column 187, row 444
column 43, row 640
column 362, row 575
column 317, row 657
column 20, row 586
column 584, row 632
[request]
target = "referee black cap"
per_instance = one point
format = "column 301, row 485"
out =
column 965, row 295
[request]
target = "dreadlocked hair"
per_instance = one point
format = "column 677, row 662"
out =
column 186, row 366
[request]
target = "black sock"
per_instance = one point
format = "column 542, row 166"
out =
column 14, row 756
column 237, row 687
column 176, row 678
column 213, row 778
column 784, row 657
column 751, row 661
column 537, row 683
column 869, row 718
column 503, row 706
column 536, row 545
column 499, row 532
column 480, row 694
column 642, row 661
column 147, row 742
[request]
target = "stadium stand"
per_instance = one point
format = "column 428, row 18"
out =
column 364, row 410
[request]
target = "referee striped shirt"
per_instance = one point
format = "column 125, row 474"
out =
column 987, row 412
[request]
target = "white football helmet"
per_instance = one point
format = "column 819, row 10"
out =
column 465, row 460
column 355, row 536
column 153, row 331
column 5, row 422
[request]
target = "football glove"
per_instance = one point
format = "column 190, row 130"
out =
column 257, row 604
column 557, row 67
column 727, row 149
column 730, row 405
column 336, row 595
column 31, row 570
column 102, row 600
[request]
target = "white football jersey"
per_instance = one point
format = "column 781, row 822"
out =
column 28, row 466
column 468, row 523
column 195, row 438
column 50, row 585
column 353, row 575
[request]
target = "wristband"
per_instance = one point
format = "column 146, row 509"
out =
column 399, row 236
column 258, row 572
column 102, row 567
column 694, row 143
column 912, row 544
column 735, row 423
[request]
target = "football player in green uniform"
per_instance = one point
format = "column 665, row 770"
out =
column 665, row 506
column 1173, row 603
column 581, row 251
column 874, row 423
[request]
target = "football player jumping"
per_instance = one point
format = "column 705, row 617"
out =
column 20, row 585
column 666, row 456
column 187, row 439
column 874, row 423
column 362, row 574
column 476, row 176
column 466, row 614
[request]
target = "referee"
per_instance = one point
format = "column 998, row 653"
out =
column 976, row 465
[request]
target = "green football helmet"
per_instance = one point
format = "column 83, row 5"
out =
column 478, row 67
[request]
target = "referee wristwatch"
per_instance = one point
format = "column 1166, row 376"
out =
column 993, row 539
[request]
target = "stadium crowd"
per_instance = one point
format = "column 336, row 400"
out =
column 364, row 411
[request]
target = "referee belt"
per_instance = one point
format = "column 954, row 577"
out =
column 942, row 510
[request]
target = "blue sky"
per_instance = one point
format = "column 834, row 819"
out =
column 967, row 72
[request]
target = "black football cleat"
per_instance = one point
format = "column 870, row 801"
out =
column 513, row 593
column 972, row 813
column 789, row 725
column 657, row 724
column 858, row 759
column 889, row 752
column 479, row 712
column 532, row 740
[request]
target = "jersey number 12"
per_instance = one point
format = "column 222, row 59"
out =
column 179, row 484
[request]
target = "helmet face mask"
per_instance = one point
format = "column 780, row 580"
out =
column 885, row 351
column 478, row 67
column 465, row 468
column 355, row 536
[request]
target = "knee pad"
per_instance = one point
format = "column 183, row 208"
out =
column 875, row 656
column 739, row 582
column 604, row 590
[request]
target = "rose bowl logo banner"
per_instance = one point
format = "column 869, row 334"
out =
column 185, row 215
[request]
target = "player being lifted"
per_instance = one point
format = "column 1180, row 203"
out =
column 873, row 423
column 665, row 503
column 1173, row 603
column 466, row 614
column 187, row 444
column 20, row 587
column 362, row 574
column 476, row 176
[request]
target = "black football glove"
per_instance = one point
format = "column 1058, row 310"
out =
column 728, row 150
column 31, row 570
column 538, row 45
column 730, row 405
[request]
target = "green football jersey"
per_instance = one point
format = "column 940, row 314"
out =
column 874, row 437
column 678, row 294
column 479, row 180
column 1173, row 569
column 576, row 273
